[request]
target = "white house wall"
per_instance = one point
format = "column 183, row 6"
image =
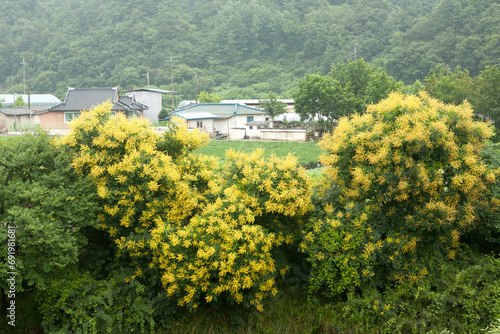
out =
column 221, row 125
column 150, row 99
column 207, row 125
column 239, row 121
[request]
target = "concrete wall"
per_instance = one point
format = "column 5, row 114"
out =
column 3, row 122
column 235, row 134
column 253, row 131
column 283, row 134
column 9, row 122
column 221, row 125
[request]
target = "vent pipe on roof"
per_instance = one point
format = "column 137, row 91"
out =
column 235, row 107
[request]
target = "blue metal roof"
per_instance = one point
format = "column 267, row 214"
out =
column 222, row 109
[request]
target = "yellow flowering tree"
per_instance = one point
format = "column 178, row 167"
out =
column 201, row 230
column 409, row 178
column 229, row 249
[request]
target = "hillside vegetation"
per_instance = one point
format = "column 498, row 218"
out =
column 237, row 49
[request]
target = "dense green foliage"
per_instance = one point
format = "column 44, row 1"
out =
column 398, row 233
column 405, row 183
column 272, row 106
column 238, row 48
column 45, row 200
column 348, row 88
column 205, row 97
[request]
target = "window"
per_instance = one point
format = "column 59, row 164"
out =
column 267, row 119
column 251, row 127
column 69, row 116
column 133, row 113
column 249, row 119
column 199, row 124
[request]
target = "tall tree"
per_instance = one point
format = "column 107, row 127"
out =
column 19, row 102
column 486, row 99
column 367, row 83
column 206, row 97
column 272, row 106
column 321, row 98
column 347, row 89
column 449, row 86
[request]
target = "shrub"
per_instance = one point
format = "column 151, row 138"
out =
column 403, row 183
column 202, row 233
column 45, row 203
column 81, row 304
column 226, row 250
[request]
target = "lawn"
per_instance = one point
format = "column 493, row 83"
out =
column 307, row 152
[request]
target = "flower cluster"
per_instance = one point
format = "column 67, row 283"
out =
column 208, row 229
column 412, row 164
column 253, row 206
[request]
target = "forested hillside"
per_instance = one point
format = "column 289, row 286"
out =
column 237, row 49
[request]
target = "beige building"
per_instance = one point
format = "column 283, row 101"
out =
column 15, row 119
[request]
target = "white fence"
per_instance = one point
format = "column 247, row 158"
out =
column 283, row 134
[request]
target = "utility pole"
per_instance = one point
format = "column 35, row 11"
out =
column 24, row 77
column 354, row 52
column 29, row 99
column 147, row 76
column 14, row 104
column 172, row 80
column 196, row 87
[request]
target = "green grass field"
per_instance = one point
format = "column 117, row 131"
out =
column 307, row 153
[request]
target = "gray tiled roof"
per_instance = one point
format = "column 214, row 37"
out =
column 16, row 111
column 78, row 99
column 151, row 90
column 130, row 103
column 86, row 98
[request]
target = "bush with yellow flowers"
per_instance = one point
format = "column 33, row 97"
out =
column 226, row 251
column 136, row 181
column 403, row 182
column 202, row 230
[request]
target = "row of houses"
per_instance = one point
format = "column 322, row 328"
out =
column 56, row 115
column 237, row 119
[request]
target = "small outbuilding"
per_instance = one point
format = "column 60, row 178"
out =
column 149, row 97
column 15, row 119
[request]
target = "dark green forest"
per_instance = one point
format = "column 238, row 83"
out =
column 237, row 49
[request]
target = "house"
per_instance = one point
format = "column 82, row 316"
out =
column 33, row 101
column 229, row 118
column 151, row 98
column 289, row 114
column 78, row 99
column 15, row 119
